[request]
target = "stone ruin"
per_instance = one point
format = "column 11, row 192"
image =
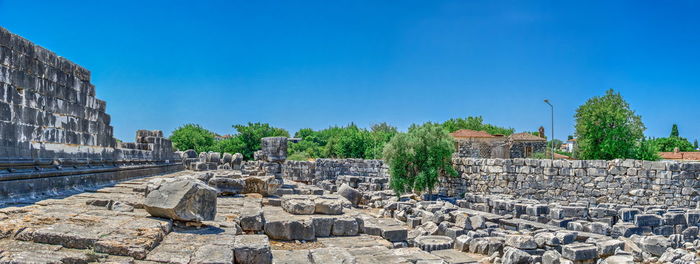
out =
column 222, row 209
column 55, row 135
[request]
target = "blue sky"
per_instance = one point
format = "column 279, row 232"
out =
column 296, row 64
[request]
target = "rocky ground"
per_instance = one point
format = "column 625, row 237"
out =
column 110, row 225
column 264, row 219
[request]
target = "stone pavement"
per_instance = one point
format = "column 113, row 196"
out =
column 111, row 226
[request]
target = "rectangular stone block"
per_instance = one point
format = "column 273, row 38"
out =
column 673, row 218
column 647, row 220
column 627, row 214
column 579, row 252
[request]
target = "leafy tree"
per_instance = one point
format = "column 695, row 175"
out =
column 380, row 134
column 670, row 143
column 192, row 136
column 229, row 145
column 695, row 144
column 674, row 131
column 606, row 128
column 418, row 158
column 475, row 123
column 350, row 142
column 343, row 142
column 251, row 134
column 646, row 151
column 383, row 127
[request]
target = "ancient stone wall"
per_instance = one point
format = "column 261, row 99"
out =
column 358, row 173
column 52, row 126
column 524, row 149
column 482, row 148
column 630, row 182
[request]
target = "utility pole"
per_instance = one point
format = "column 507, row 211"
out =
column 552, row 139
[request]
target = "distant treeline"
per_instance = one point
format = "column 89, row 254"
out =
column 348, row 141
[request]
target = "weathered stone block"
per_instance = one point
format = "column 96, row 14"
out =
column 250, row 249
column 183, row 199
column 345, row 226
column 647, row 220
column 579, row 252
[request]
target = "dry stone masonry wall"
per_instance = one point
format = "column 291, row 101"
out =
column 55, row 134
column 630, row 182
column 369, row 175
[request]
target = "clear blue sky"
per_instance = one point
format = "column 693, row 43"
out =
column 296, row 64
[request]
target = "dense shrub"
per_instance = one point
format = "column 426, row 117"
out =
column 418, row 158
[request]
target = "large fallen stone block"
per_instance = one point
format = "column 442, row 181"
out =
column 515, row 256
column 227, row 185
column 655, row 245
column 183, row 199
column 328, row 205
column 351, row 194
column 521, row 241
column 251, row 219
column 252, row 249
column 579, row 252
column 290, row 229
column 608, row 247
column 264, row 185
column 388, row 228
column 299, row 205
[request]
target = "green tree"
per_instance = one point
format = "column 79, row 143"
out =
column 192, row 136
column 380, row 134
column 251, row 134
column 606, row 128
column 670, row 143
column 646, row 151
column 349, row 142
column 674, row 131
column 229, row 145
column 475, row 123
column 695, row 144
column 418, row 158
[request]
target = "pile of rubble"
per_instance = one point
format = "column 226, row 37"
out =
column 525, row 231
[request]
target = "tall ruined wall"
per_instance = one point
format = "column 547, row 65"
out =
column 55, row 134
column 47, row 105
column 631, row 182
column 48, row 110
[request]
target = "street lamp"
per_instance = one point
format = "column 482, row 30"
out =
column 552, row 139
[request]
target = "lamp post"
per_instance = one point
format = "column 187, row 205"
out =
column 552, row 139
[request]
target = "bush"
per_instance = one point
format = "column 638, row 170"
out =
column 192, row 136
column 418, row 158
column 475, row 123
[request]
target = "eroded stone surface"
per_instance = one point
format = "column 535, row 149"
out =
column 183, row 199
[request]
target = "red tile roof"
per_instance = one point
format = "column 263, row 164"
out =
column 525, row 137
column 680, row 155
column 468, row 133
column 560, row 156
